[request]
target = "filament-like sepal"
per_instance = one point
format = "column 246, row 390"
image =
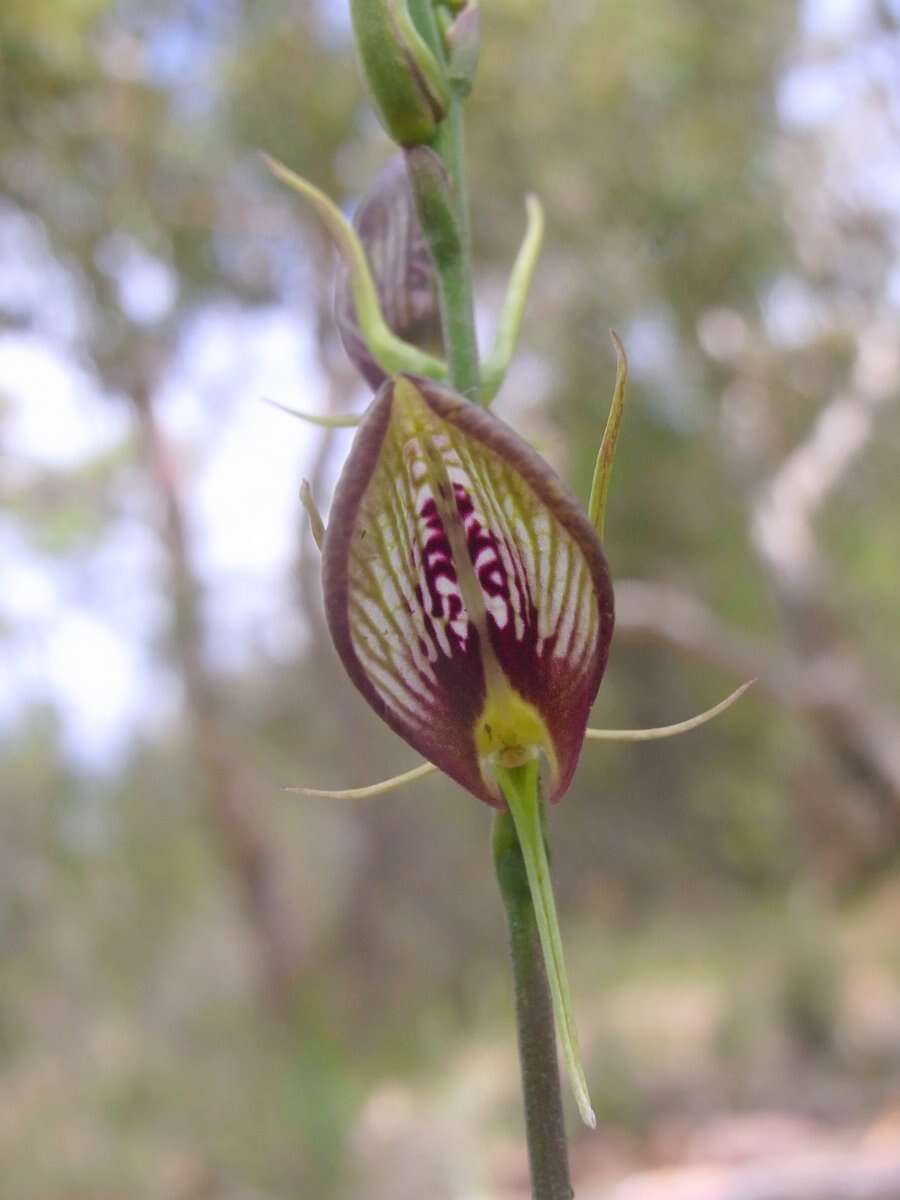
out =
column 607, row 453
column 510, row 322
column 521, row 789
column 323, row 420
column 667, row 731
column 392, row 353
column 316, row 524
column 372, row 789
column 595, row 735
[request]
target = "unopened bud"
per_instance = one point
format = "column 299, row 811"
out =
column 463, row 40
column 391, row 235
column 408, row 85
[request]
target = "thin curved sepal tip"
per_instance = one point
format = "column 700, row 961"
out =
column 373, row 789
column 667, row 731
column 597, row 735
column 316, row 524
column 392, row 353
column 607, row 452
column 323, row 420
column 513, row 309
column 427, row 768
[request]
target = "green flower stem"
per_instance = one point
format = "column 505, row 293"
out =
column 437, row 197
column 451, row 146
column 453, row 267
column 444, row 215
column 460, row 292
column 449, row 141
column 544, row 1125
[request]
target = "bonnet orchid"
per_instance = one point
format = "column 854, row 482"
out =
column 469, row 599
column 466, row 589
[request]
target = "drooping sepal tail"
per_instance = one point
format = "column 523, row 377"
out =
column 521, row 791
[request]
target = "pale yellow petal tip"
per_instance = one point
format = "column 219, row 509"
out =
column 534, row 209
column 582, row 1098
column 280, row 171
column 284, row 173
column 324, row 421
column 316, row 524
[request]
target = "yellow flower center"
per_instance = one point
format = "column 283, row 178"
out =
column 510, row 731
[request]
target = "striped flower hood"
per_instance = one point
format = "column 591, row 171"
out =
column 466, row 590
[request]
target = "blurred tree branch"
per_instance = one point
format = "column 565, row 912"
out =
column 818, row 669
column 230, row 790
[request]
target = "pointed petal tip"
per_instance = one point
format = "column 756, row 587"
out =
column 316, row 524
column 279, row 170
column 578, row 1082
column 621, row 359
column 582, row 1096
column 607, row 452
column 513, row 309
column 534, row 209
column 323, row 420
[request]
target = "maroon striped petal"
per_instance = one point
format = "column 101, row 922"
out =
column 465, row 589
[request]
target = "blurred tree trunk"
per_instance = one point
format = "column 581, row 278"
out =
column 227, row 781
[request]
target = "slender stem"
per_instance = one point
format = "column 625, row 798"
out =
column 450, row 244
column 454, row 270
column 452, row 149
column 544, row 1125
column 455, row 284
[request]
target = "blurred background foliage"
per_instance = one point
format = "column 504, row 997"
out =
column 211, row 989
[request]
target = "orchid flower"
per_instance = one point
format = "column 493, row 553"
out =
column 468, row 596
column 466, row 589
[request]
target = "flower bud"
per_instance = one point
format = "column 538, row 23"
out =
column 463, row 47
column 407, row 83
column 391, row 235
